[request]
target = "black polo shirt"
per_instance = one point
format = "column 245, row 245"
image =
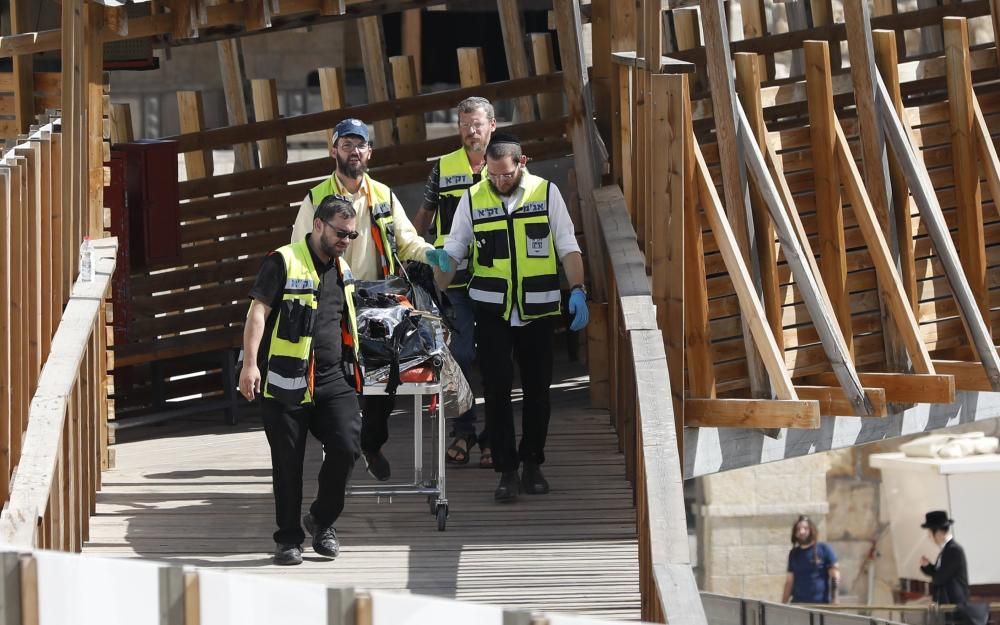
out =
column 327, row 344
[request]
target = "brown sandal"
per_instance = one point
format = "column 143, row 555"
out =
column 458, row 451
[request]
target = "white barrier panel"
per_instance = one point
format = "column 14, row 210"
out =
column 101, row 591
column 233, row 599
column 565, row 619
column 399, row 609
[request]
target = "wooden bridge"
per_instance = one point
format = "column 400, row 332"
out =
column 781, row 262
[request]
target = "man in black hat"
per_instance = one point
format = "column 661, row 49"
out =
column 949, row 573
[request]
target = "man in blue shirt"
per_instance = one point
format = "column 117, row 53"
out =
column 813, row 575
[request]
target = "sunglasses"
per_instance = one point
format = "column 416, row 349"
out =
column 343, row 234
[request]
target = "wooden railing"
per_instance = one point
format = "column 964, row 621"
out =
column 71, row 588
column 57, row 471
column 641, row 408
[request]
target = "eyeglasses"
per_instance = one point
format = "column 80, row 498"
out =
column 476, row 125
column 503, row 177
column 343, row 234
column 347, row 146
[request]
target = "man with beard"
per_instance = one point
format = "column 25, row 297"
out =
column 452, row 174
column 384, row 232
column 301, row 332
column 518, row 229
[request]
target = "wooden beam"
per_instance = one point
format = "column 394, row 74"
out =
column 7, row 382
column 989, row 164
column 580, row 130
column 687, row 29
column 602, row 69
column 471, row 67
column 265, row 106
column 861, row 50
column 748, row 86
column 331, row 90
column 968, row 198
column 550, row 105
column 755, row 26
column 373, row 57
column 232, row 84
column 185, row 19
column 199, row 163
column 751, row 413
column 256, row 14
column 834, row 403
column 734, row 178
column 891, row 293
column 512, row 28
column 404, row 80
column 413, row 43
column 829, row 210
column 926, row 200
column 697, row 335
column 121, row 123
column 968, row 376
column 333, row 7
column 808, row 282
column 902, row 205
column 750, row 307
column 906, row 388
column 96, row 87
column 116, row 20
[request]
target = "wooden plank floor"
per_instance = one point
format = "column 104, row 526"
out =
column 198, row 492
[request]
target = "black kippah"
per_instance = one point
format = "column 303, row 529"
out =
column 502, row 137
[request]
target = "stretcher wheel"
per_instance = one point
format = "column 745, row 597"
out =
column 442, row 517
column 432, row 503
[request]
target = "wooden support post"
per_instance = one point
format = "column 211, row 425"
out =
column 274, row 151
column 232, row 84
column 185, row 21
column 750, row 307
column 670, row 104
column 6, row 334
column 748, row 86
column 198, row 164
column 580, row 130
column 971, row 237
column 623, row 152
column 640, row 140
column 412, row 44
column 116, row 20
column 373, row 56
column 874, row 158
column 988, row 160
column 512, row 28
column 550, row 105
column 332, row 7
column 331, row 90
column 995, row 17
column 602, row 69
column 734, row 178
column 256, row 14
column 754, row 25
column 829, row 210
column 23, row 66
column 809, row 283
column 404, row 80
column 795, row 14
column 926, row 200
column 471, row 67
column 697, row 343
column 687, row 29
column 902, row 204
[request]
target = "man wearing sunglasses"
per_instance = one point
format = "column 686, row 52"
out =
column 518, row 229
column 449, row 179
column 300, row 349
column 385, row 233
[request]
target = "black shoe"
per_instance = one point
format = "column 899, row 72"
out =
column 325, row 540
column 286, row 554
column 508, row 488
column 377, row 465
column 532, row 480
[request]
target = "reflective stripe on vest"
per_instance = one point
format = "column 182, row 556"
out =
column 456, row 176
column 290, row 363
column 380, row 204
column 513, row 256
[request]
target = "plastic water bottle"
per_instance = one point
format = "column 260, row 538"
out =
column 87, row 260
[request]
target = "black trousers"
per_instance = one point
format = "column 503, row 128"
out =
column 334, row 419
column 375, row 423
column 531, row 346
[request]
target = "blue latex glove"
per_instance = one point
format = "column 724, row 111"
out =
column 578, row 308
column 439, row 259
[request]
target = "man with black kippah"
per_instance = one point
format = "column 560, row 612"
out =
column 518, row 229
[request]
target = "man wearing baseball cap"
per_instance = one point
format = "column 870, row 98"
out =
column 383, row 232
